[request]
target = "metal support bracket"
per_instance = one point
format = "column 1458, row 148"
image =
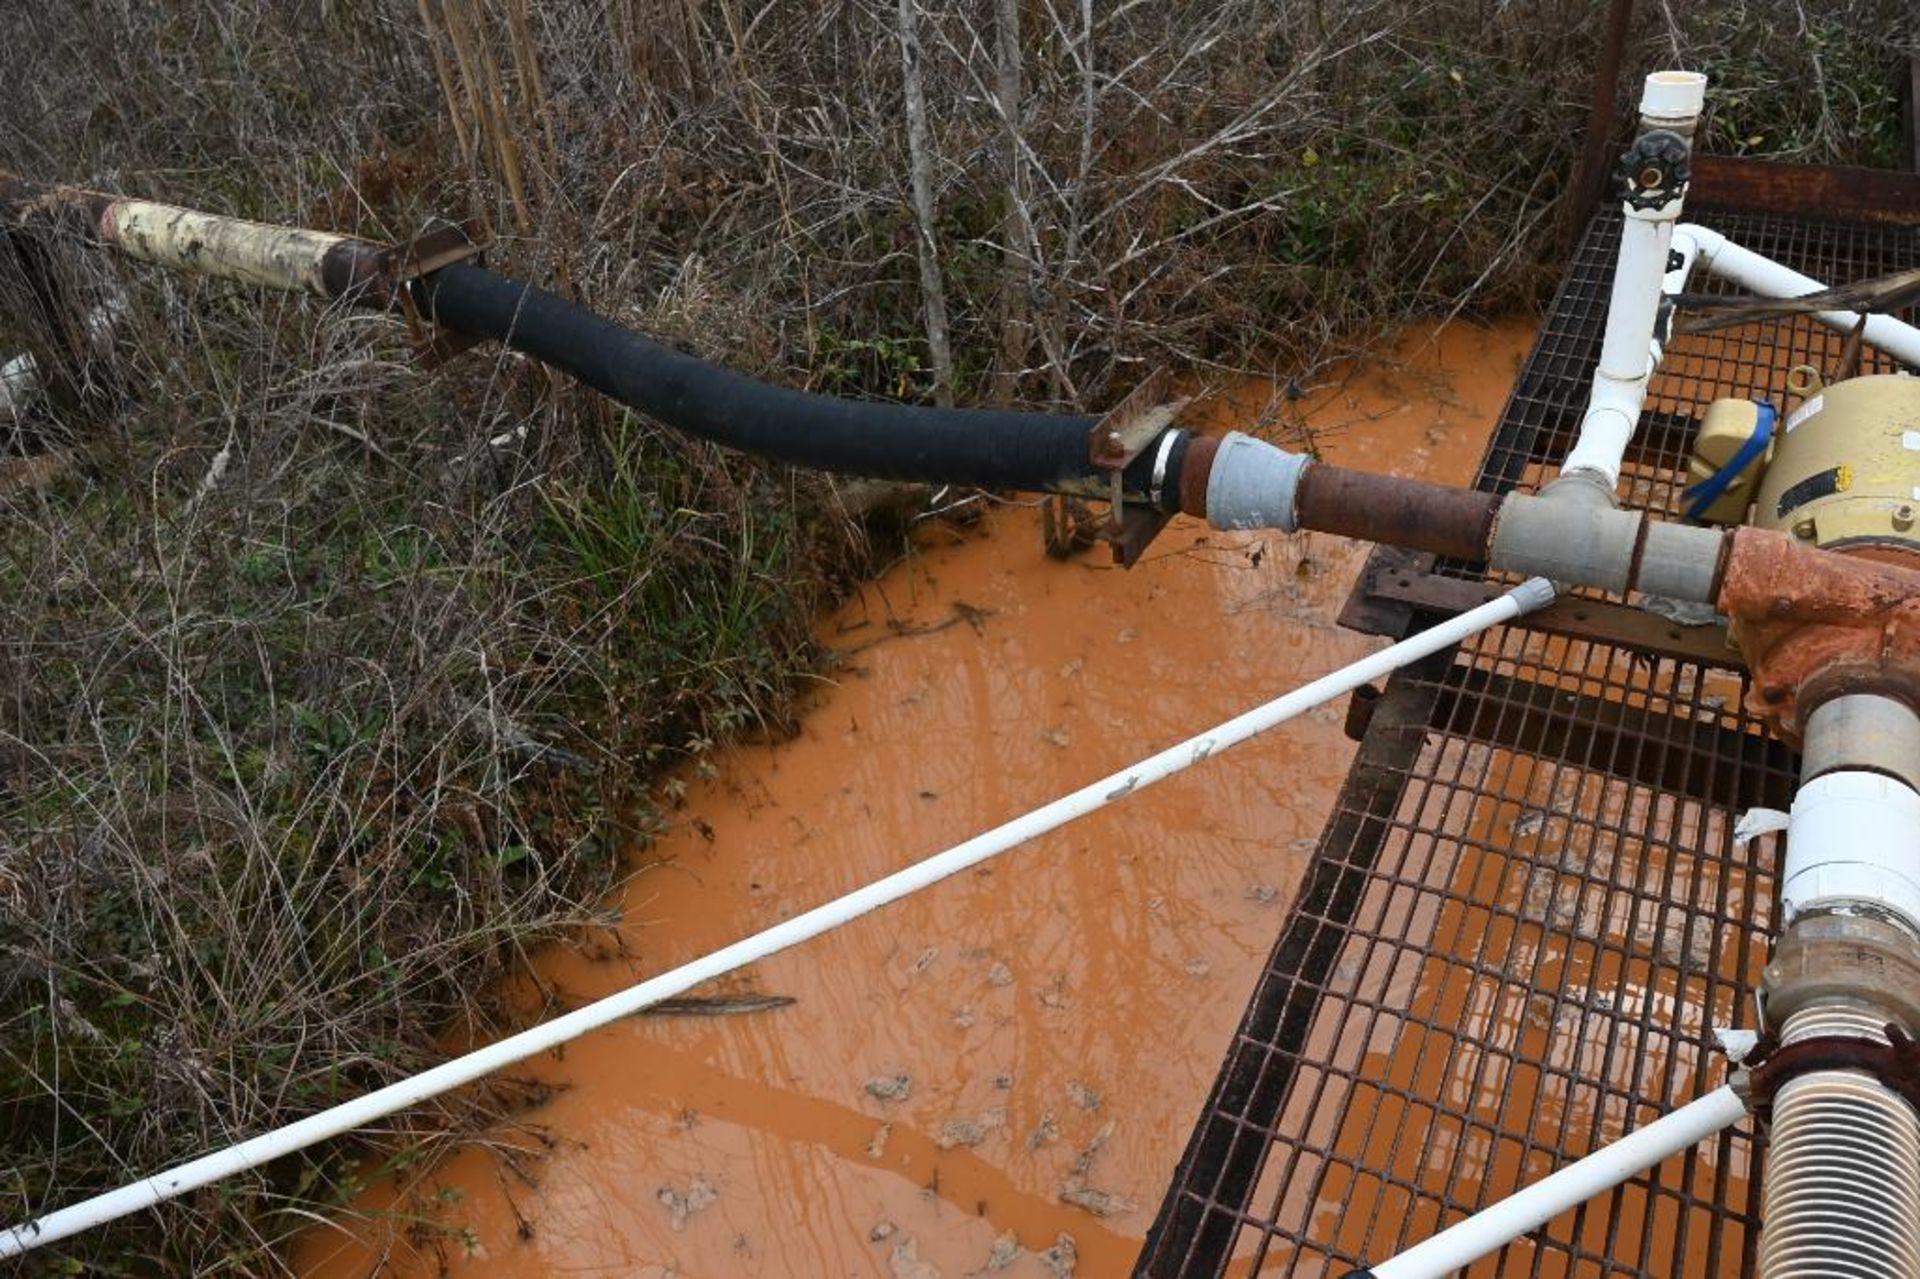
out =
column 1397, row 583
column 420, row 257
column 1121, row 435
column 1895, row 1063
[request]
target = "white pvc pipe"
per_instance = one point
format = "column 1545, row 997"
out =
column 1853, row 838
column 1670, row 100
column 1768, row 279
column 1497, row 1226
column 251, row 1153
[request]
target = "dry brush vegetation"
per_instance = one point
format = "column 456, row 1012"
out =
column 329, row 684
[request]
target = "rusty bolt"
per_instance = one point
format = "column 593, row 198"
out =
column 1903, row 516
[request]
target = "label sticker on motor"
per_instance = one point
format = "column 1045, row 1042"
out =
column 1805, row 411
column 1835, row 479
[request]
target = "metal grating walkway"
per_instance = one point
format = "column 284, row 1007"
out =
column 1526, row 911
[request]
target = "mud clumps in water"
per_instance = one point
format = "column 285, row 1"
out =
column 1062, row 1259
column 1100, row 1203
column 681, row 1205
column 970, row 1132
column 904, row 1262
column 890, row 1087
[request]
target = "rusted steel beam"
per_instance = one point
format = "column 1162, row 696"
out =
column 1217, row 1177
column 1596, row 158
column 1805, row 190
column 1455, row 523
column 1597, row 621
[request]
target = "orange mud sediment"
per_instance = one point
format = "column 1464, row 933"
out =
column 1003, row 1068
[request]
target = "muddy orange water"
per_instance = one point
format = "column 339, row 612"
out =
column 1002, row 1070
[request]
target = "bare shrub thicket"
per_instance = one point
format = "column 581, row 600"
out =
column 329, row 683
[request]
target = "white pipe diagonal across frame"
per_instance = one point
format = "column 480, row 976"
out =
column 1705, row 249
column 1670, row 101
column 1499, row 1224
column 1530, row 595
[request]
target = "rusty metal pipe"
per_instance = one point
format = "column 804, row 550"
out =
column 290, row 259
column 1422, row 516
column 1570, row 533
column 1455, row 523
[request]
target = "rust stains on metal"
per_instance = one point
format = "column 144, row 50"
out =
column 356, row 271
column 1453, row 522
column 1135, row 422
column 293, row 259
column 1194, row 473
column 1120, row 435
column 273, row 257
column 1807, row 190
column 1574, row 616
column 1816, row 624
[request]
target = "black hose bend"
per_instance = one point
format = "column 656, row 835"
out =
column 985, row 448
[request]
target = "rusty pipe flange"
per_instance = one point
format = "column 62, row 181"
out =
column 1895, row 1063
column 1813, row 625
column 1827, row 957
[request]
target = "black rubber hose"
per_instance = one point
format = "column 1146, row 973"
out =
column 985, row 448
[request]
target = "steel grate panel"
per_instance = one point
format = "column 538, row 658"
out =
column 1526, row 910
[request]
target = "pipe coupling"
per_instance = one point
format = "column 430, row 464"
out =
column 1863, row 731
column 1824, row 958
column 1853, row 844
column 1254, row 484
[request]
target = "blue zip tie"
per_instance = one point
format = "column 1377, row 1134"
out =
column 1704, row 494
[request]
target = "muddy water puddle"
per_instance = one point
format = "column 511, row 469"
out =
column 997, row 1075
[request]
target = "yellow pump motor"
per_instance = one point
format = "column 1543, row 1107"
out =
column 1845, row 473
column 1841, row 472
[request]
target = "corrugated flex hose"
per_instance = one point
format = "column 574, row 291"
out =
column 1842, row 1194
